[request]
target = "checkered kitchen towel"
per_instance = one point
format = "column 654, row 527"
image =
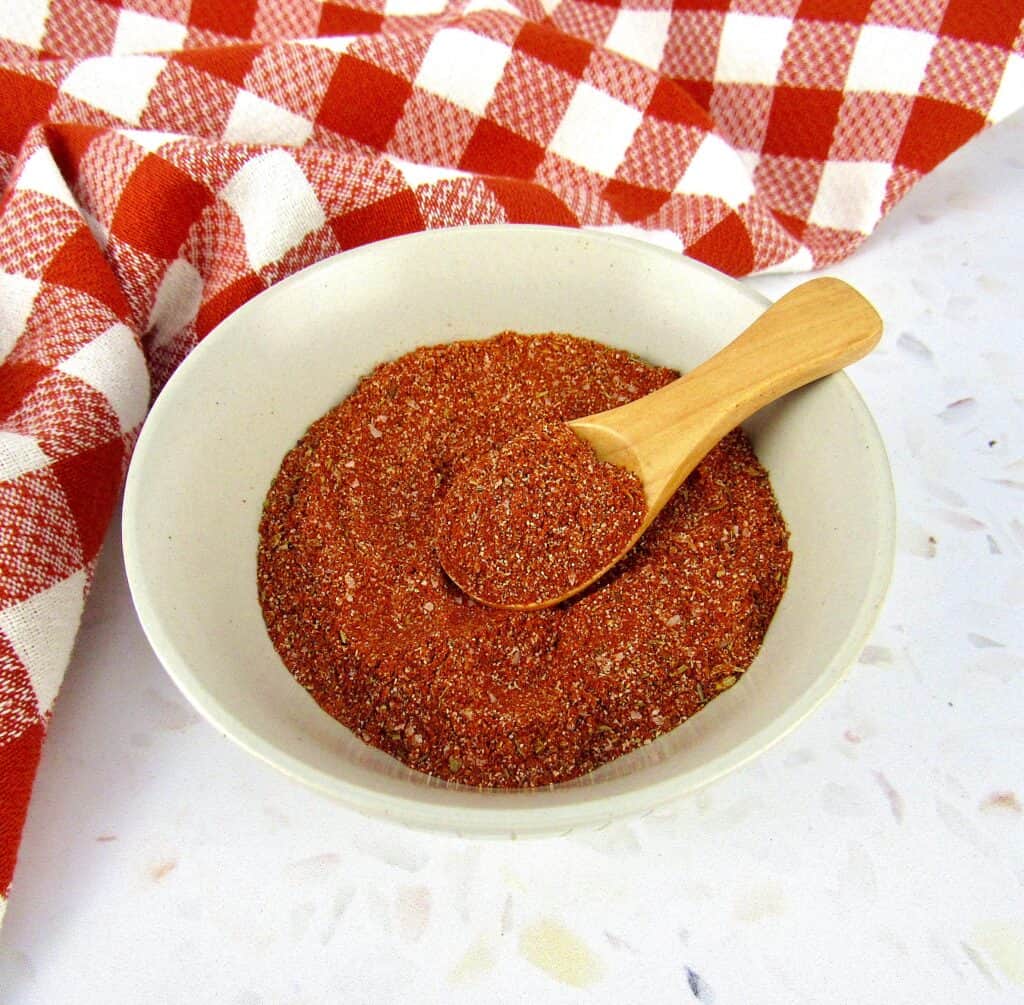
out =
column 162, row 161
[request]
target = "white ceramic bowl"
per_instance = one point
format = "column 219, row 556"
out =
column 219, row 429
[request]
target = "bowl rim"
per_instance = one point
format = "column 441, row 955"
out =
column 490, row 816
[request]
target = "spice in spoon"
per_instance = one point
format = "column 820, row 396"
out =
column 536, row 518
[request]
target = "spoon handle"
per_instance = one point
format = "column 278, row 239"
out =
column 814, row 330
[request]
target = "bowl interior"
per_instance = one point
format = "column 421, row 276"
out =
column 221, row 426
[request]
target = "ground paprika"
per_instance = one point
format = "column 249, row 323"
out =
column 358, row 607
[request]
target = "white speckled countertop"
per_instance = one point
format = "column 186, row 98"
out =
column 875, row 855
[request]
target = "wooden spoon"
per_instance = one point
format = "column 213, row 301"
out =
column 812, row 331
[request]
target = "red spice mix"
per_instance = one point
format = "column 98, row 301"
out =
column 536, row 518
column 358, row 607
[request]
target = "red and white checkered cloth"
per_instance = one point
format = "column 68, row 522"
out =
column 161, row 161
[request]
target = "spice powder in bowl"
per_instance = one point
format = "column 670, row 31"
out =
column 360, row 611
